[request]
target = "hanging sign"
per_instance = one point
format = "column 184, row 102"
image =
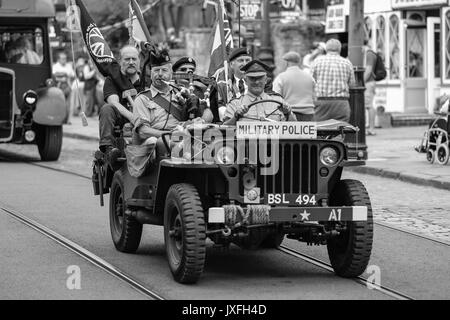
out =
column 335, row 19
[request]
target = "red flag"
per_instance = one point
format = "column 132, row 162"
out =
column 100, row 52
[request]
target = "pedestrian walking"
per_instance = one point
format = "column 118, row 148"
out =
column 296, row 86
column 370, row 61
column 333, row 75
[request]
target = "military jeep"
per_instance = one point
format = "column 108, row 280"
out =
column 32, row 111
column 250, row 185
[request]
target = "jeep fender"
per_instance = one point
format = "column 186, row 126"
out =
column 50, row 107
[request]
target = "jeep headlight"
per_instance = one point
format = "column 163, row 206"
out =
column 225, row 155
column 329, row 156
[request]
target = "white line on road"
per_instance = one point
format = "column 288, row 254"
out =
column 390, row 292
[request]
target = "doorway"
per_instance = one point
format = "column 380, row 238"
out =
column 416, row 70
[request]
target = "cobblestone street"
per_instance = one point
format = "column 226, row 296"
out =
column 414, row 208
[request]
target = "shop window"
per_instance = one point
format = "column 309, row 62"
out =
column 380, row 36
column 394, row 48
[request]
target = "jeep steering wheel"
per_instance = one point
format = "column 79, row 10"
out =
column 280, row 105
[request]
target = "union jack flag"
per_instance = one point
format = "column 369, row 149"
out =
column 222, row 43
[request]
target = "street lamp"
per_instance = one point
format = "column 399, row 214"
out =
column 265, row 53
column 357, row 142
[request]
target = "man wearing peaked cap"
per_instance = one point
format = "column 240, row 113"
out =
column 255, row 68
column 256, row 77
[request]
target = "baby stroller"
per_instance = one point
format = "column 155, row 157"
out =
column 435, row 142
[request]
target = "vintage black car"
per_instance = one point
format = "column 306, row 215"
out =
column 251, row 184
column 31, row 110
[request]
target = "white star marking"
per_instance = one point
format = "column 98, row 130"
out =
column 305, row 215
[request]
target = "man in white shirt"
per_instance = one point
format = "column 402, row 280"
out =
column 62, row 67
column 63, row 75
column 296, row 86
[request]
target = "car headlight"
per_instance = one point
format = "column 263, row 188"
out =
column 329, row 156
column 30, row 97
column 225, row 155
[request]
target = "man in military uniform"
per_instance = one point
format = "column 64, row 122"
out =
column 236, row 82
column 161, row 108
column 256, row 78
column 187, row 65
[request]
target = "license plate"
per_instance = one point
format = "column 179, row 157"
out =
column 290, row 199
column 276, row 130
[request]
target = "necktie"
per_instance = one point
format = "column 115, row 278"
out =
column 241, row 86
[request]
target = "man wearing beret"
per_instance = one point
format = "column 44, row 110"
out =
column 187, row 65
column 256, row 77
column 296, row 86
column 236, row 85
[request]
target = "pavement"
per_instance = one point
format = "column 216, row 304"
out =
column 391, row 154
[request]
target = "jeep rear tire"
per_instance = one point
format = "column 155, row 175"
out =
column 126, row 232
column 349, row 252
column 185, row 233
column 49, row 142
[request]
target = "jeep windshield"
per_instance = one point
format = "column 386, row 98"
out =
column 21, row 45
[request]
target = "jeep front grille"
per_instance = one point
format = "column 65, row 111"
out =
column 297, row 171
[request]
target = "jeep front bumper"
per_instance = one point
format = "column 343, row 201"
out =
column 292, row 214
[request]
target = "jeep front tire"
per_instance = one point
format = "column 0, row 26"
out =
column 185, row 233
column 349, row 252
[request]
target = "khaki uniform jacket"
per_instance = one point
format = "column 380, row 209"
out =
column 148, row 113
column 258, row 112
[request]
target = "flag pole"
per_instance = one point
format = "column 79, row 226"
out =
column 224, row 44
column 140, row 17
column 83, row 117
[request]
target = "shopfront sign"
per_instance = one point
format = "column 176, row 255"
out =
column 335, row 19
column 285, row 10
column 408, row 4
